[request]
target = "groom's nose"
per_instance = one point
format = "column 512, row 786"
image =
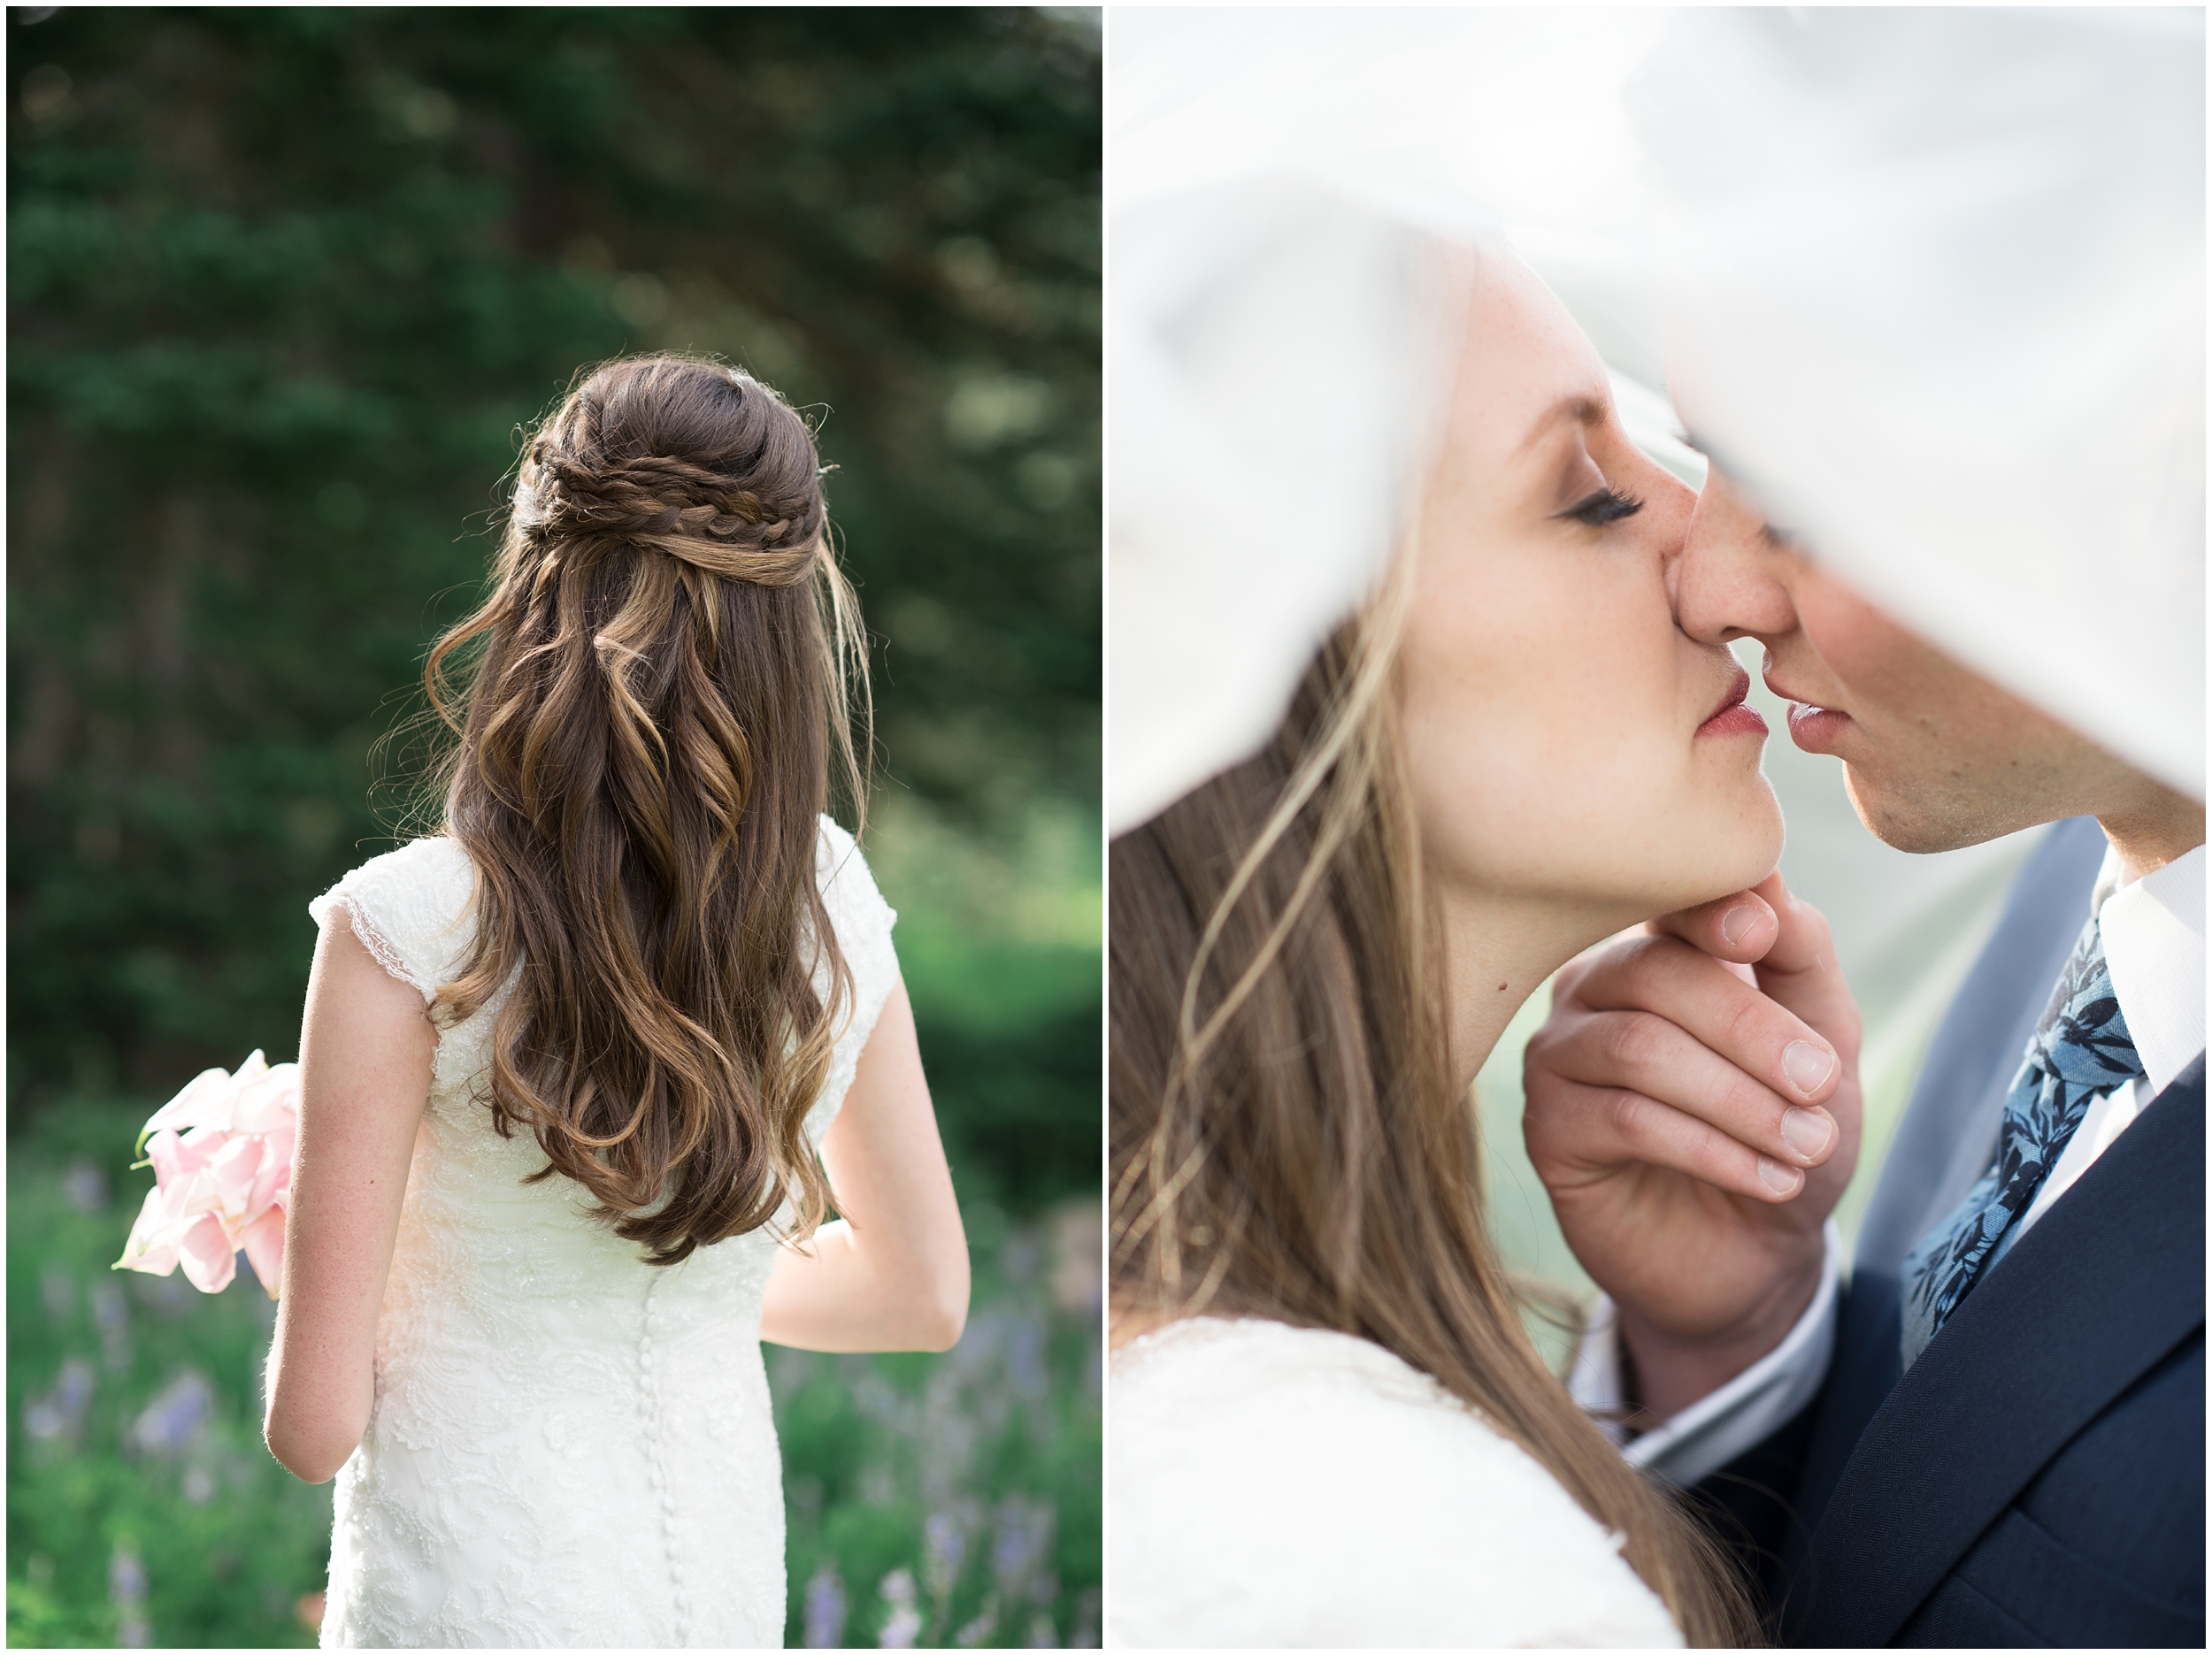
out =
column 1731, row 578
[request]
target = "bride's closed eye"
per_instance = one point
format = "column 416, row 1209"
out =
column 1607, row 505
column 1594, row 500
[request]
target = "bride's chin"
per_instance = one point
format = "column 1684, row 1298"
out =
column 1732, row 860
column 1756, row 854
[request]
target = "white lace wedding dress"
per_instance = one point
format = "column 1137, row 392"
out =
column 568, row 1446
column 1279, row 1486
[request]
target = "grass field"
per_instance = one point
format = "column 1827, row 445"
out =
column 931, row 1498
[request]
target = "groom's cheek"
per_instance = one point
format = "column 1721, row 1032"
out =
column 1938, row 756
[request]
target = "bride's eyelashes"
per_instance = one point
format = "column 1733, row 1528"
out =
column 1607, row 505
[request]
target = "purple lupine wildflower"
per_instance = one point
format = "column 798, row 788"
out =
column 127, row 1592
column 825, row 1608
column 945, row 1543
column 176, row 1416
column 60, row 1412
column 978, row 1631
column 112, row 1317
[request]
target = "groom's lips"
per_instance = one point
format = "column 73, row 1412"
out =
column 1732, row 718
column 1815, row 729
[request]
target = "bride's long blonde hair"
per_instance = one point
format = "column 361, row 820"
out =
column 1286, row 1138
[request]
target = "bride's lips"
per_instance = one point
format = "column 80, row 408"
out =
column 1732, row 716
column 1815, row 729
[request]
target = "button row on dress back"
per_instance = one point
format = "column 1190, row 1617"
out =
column 649, row 1401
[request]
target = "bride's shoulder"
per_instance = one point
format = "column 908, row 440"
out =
column 1207, row 1365
column 437, row 856
column 1349, row 1497
column 1209, row 1355
column 849, row 889
column 411, row 906
column 1238, row 1383
column 838, row 863
column 434, row 871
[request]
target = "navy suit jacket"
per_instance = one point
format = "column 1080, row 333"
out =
column 2037, row 1476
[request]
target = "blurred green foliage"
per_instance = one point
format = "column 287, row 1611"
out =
column 225, row 1539
column 285, row 287
column 977, row 1473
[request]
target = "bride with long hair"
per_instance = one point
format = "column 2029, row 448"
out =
column 1328, row 1423
column 1400, row 721
column 584, row 1074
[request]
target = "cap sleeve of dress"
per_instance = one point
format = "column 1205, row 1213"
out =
column 412, row 908
column 862, row 921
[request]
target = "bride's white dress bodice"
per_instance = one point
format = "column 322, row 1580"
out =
column 1287, row 1487
column 568, row 1446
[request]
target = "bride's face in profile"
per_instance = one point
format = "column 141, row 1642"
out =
column 1567, row 744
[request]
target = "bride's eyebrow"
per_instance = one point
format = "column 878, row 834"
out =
column 1580, row 407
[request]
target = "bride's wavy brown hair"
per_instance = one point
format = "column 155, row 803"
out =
column 1288, row 1141
column 646, row 709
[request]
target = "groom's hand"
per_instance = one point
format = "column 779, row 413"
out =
column 1694, row 1111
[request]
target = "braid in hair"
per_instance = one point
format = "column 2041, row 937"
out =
column 732, row 532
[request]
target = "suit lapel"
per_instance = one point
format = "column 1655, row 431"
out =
column 2058, row 1330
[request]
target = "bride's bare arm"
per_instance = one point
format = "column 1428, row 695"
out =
column 892, row 1273
column 365, row 1053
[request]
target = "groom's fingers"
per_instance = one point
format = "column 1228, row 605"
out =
column 1579, row 1133
column 1671, row 1050
column 1801, row 971
column 1785, row 941
column 1702, row 998
column 1740, row 927
column 1643, row 1060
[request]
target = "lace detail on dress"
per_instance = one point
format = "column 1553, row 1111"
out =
column 1287, row 1486
column 569, row 1447
column 413, row 910
column 376, row 942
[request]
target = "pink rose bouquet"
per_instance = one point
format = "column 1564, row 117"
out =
column 222, row 1152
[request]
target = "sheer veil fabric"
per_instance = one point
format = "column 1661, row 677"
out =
column 1934, row 289
column 1285, row 189
column 1931, row 281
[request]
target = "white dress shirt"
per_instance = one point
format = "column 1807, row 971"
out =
column 2154, row 946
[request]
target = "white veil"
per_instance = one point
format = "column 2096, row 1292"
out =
column 1936, row 294
column 1401, row 126
column 1278, row 180
column 1934, row 283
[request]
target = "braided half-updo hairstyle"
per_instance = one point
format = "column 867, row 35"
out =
column 645, row 713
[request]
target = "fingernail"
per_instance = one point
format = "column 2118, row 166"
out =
column 1736, row 924
column 1806, row 1130
column 1780, row 1179
column 1806, row 1065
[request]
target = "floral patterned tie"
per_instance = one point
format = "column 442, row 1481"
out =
column 2081, row 1048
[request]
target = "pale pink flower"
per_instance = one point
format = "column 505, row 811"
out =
column 222, row 1152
